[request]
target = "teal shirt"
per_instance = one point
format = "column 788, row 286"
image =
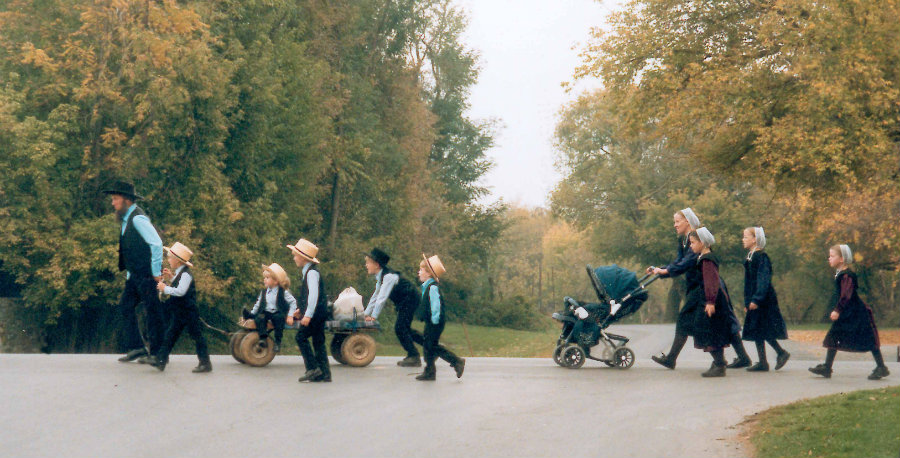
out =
column 148, row 233
column 434, row 297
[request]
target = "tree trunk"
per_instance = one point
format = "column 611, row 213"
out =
column 335, row 211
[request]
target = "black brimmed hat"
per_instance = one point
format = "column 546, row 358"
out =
column 123, row 188
column 379, row 256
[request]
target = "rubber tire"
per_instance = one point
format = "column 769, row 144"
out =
column 572, row 356
column 235, row 344
column 556, row 353
column 623, row 358
column 253, row 354
column 358, row 350
column 336, row 343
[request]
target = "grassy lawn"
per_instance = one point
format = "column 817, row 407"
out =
column 857, row 424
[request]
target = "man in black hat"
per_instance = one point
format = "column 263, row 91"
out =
column 405, row 296
column 140, row 256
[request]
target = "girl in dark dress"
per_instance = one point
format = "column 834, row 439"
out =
column 712, row 322
column 853, row 326
column 763, row 321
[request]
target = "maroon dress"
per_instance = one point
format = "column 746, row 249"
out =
column 854, row 330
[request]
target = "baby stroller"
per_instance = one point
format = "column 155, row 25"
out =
column 584, row 334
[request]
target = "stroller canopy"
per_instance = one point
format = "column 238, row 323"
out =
column 619, row 281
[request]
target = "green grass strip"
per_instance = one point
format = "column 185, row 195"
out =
column 858, row 424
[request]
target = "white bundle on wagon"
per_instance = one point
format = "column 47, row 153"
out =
column 348, row 302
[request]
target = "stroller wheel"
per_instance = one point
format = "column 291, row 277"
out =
column 623, row 358
column 572, row 356
column 557, row 353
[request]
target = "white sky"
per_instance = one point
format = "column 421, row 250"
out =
column 526, row 53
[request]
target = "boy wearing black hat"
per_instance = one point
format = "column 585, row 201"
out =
column 405, row 296
column 140, row 256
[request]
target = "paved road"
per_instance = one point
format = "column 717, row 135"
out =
column 91, row 405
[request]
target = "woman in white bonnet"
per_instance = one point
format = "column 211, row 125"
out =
column 763, row 321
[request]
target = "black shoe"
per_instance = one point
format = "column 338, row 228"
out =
column 782, row 360
column 879, row 373
column 133, row 355
column 714, row 371
column 427, row 376
column 822, row 370
column 664, row 361
column 739, row 363
column 144, row 359
column 459, row 367
column 204, row 366
column 310, row 376
column 410, row 361
column 759, row 367
column 324, row 379
column 156, row 362
column 277, row 347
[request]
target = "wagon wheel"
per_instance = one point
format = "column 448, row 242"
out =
column 235, row 345
column 557, row 355
column 358, row 350
column 623, row 358
column 572, row 356
column 255, row 355
column 336, row 343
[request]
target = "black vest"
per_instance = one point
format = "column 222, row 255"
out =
column 134, row 251
column 322, row 302
column 425, row 310
column 281, row 304
column 404, row 295
column 190, row 297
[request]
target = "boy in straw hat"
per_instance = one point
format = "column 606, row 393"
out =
column 275, row 303
column 430, row 272
column 183, row 304
column 313, row 308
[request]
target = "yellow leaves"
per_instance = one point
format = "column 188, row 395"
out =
column 112, row 137
column 37, row 57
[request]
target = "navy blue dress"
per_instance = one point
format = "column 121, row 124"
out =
column 854, row 330
column 766, row 322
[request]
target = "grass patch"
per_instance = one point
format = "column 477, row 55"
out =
column 858, row 424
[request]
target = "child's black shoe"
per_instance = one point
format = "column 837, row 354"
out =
column 822, row 370
column 155, row 362
column 410, row 361
column 277, row 347
column 782, row 360
column 427, row 376
column 714, row 371
column 739, row 363
column 663, row 361
column 204, row 366
column 758, row 367
column 310, row 376
column 879, row 373
column 459, row 367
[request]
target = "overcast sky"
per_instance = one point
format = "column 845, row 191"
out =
column 526, row 53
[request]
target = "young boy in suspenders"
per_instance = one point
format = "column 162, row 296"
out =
column 182, row 303
column 430, row 271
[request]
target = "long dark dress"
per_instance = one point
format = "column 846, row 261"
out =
column 711, row 332
column 766, row 322
column 854, row 330
column 685, row 263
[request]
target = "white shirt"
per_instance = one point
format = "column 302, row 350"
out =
column 183, row 284
column 272, row 301
column 384, row 284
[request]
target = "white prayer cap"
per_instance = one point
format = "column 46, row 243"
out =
column 705, row 236
column 846, row 254
column 691, row 218
column 760, row 237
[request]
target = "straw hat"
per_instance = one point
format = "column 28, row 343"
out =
column 435, row 266
column 181, row 252
column 306, row 249
column 279, row 274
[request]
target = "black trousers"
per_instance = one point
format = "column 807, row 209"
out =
column 433, row 350
column 142, row 292
column 261, row 319
column 184, row 317
column 403, row 329
column 315, row 356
